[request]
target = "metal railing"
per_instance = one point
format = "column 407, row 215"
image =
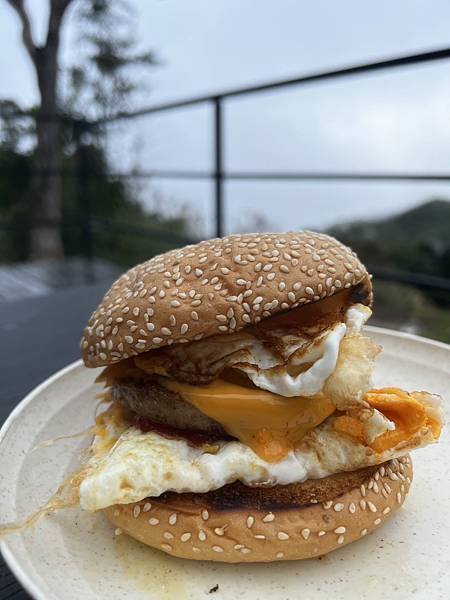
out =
column 220, row 173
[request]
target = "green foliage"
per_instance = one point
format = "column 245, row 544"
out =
column 104, row 81
column 114, row 210
column 403, row 307
column 417, row 240
column 15, row 204
column 16, row 125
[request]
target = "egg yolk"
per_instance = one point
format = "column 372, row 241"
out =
column 406, row 412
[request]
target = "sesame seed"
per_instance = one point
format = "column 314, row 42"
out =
column 173, row 519
column 147, row 507
column 371, row 506
column 362, row 504
column 338, row 506
column 184, row 537
column 305, row 533
column 166, row 547
column 201, row 535
column 363, row 532
column 328, row 504
column 153, row 521
column 128, row 339
column 340, row 539
column 219, row 531
column 217, row 548
column 250, row 521
column 377, row 521
column 321, row 533
column 269, row 518
column 238, row 546
column 279, row 554
column 118, row 531
column 340, row 529
column 352, row 508
column 168, row 536
column 282, row 535
column 136, row 511
column 259, row 536
column 245, row 550
column 205, row 515
column 399, row 497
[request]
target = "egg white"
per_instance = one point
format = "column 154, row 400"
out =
column 142, row 465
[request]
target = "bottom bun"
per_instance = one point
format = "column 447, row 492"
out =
column 242, row 524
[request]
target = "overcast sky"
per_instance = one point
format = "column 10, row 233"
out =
column 395, row 122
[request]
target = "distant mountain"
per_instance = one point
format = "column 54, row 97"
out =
column 417, row 240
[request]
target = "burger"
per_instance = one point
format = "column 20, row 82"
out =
column 239, row 420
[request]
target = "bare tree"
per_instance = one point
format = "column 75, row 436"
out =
column 45, row 241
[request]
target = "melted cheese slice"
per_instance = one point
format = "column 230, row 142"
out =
column 271, row 425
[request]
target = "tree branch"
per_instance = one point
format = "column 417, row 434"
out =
column 57, row 10
column 27, row 36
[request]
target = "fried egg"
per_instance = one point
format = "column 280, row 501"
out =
column 140, row 465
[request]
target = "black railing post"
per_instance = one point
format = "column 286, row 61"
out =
column 218, row 164
column 84, row 207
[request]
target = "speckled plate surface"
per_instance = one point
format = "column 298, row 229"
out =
column 74, row 555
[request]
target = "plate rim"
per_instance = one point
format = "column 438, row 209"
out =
column 25, row 580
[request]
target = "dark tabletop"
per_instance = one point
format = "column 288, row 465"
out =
column 38, row 336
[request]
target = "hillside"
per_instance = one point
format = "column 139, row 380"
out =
column 417, row 240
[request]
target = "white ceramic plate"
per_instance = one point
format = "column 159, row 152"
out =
column 73, row 555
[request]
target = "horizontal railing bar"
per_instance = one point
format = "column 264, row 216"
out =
column 400, row 61
column 250, row 175
column 141, row 231
column 97, row 225
column 292, row 176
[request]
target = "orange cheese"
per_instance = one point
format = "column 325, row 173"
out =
column 270, row 424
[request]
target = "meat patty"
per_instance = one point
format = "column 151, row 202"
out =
column 150, row 399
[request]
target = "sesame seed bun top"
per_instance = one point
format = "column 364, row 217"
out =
column 215, row 287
